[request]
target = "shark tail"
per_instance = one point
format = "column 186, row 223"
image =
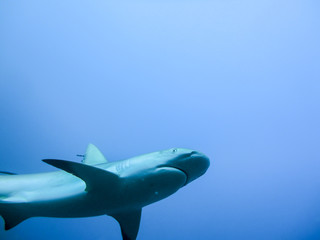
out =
column 12, row 215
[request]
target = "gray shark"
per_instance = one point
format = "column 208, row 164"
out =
column 97, row 187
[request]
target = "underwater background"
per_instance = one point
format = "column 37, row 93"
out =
column 236, row 80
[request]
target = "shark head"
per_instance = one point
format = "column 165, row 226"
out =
column 192, row 163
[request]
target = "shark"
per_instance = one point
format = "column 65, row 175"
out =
column 95, row 187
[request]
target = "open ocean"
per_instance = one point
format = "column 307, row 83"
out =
column 236, row 80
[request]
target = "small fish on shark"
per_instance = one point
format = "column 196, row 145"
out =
column 97, row 187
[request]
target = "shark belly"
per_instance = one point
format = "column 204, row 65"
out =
column 55, row 194
column 151, row 186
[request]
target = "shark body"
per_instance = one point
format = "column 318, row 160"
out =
column 97, row 187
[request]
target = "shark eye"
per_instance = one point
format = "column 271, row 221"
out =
column 174, row 150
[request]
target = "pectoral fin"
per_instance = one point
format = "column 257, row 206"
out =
column 11, row 216
column 95, row 178
column 129, row 223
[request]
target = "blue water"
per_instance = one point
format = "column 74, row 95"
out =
column 237, row 80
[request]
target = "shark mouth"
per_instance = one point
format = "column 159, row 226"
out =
column 179, row 169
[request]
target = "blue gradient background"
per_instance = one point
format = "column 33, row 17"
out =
column 237, row 80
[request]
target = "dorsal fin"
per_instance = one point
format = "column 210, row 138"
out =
column 96, row 179
column 93, row 156
column 129, row 223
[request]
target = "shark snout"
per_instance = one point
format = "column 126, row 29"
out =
column 197, row 165
column 194, row 164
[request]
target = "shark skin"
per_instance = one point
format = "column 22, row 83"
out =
column 98, row 187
